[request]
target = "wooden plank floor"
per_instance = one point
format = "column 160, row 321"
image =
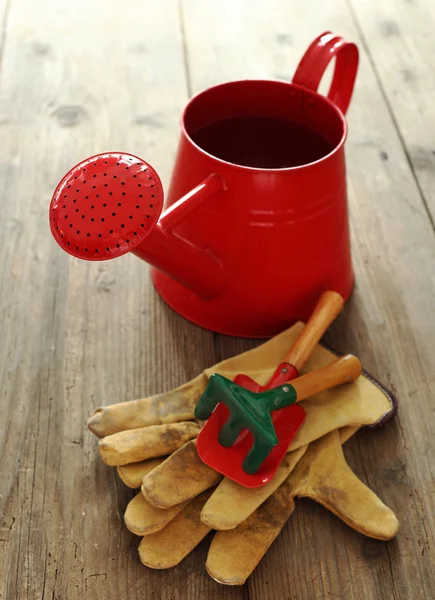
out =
column 81, row 77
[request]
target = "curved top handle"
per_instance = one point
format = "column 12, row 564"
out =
column 317, row 57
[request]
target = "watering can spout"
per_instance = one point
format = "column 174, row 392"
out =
column 198, row 269
column 110, row 204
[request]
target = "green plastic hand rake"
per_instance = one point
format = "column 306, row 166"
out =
column 252, row 411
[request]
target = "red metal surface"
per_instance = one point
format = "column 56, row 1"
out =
column 249, row 250
column 317, row 57
column 229, row 461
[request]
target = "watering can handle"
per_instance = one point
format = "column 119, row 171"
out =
column 317, row 57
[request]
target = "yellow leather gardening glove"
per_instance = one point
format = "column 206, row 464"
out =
column 183, row 476
column 321, row 474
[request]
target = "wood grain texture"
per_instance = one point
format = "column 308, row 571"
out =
column 399, row 41
column 82, row 77
column 79, row 78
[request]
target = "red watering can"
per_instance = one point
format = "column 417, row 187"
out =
column 255, row 226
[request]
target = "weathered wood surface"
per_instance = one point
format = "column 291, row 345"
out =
column 82, row 77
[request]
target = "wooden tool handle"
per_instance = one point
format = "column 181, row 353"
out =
column 330, row 304
column 345, row 369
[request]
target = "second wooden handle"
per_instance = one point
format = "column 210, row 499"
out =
column 330, row 304
column 343, row 370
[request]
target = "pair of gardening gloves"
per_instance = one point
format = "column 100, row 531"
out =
column 152, row 442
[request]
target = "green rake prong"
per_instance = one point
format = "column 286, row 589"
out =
column 248, row 410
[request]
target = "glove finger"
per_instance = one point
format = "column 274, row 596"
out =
column 232, row 503
column 143, row 519
column 135, row 445
column 181, row 477
column 169, row 407
column 132, row 474
column 170, row 545
column 235, row 553
column 331, row 482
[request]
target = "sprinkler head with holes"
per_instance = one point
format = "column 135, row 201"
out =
column 110, row 204
column 106, row 206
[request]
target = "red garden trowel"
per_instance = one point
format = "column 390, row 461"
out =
column 286, row 421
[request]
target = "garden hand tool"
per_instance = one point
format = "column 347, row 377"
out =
column 287, row 420
column 329, row 305
column 322, row 475
column 251, row 411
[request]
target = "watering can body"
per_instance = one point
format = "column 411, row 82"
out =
column 282, row 237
